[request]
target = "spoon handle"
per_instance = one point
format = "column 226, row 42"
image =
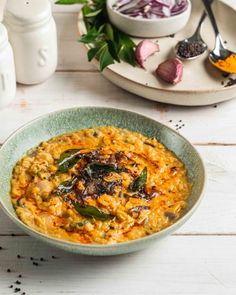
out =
column 197, row 32
column 208, row 8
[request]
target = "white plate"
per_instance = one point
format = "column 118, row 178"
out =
column 201, row 84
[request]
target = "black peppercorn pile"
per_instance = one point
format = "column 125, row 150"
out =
column 190, row 49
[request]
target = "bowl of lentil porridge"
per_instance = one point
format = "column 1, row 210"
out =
column 99, row 181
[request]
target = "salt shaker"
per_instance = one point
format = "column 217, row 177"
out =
column 32, row 34
column 7, row 69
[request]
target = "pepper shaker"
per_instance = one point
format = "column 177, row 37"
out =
column 33, row 36
column 7, row 69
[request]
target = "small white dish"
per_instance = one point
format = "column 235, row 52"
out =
column 148, row 28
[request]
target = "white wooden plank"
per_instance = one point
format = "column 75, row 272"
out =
column 71, row 54
column 202, row 124
column 168, row 268
column 216, row 214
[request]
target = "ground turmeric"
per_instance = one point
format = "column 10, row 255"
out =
column 227, row 65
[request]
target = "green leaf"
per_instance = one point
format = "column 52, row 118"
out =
column 93, row 52
column 66, row 186
column 127, row 55
column 126, row 40
column 90, row 37
column 112, row 50
column 139, row 182
column 94, row 13
column 69, row 2
column 91, row 211
column 105, row 59
column 126, row 47
column 86, row 10
column 109, row 31
column 68, row 159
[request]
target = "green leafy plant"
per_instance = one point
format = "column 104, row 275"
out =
column 106, row 42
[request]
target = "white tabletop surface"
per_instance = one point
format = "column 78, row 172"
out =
column 198, row 259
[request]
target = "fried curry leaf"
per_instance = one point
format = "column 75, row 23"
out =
column 91, row 211
column 66, row 186
column 139, row 182
column 68, row 159
column 98, row 168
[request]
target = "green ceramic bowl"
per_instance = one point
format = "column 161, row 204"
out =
column 53, row 124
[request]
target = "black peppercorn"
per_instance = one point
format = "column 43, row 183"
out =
column 190, row 49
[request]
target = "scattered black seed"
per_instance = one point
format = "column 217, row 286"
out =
column 18, row 256
column 11, row 286
column 31, row 258
column 1, row 248
column 172, row 35
column 17, row 290
column 23, row 293
column 170, row 121
column 41, row 259
column 180, row 120
column 8, row 270
column 17, row 282
column 231, row 82
column 225, row 42
column 19, row 276
column 53, row 257
column 35, row 263
column 215, row 106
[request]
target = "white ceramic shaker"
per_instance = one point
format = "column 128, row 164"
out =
column 32, row 34
column 7, row 69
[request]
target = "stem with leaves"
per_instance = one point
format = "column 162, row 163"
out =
column 106, row 42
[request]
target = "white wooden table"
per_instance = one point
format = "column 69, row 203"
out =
column 198, row 259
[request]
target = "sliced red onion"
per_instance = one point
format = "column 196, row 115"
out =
column 151, row 8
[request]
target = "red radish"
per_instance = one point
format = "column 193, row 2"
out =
column 170, row 70
column 145, row 49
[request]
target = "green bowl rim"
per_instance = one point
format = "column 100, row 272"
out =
column 166, row 231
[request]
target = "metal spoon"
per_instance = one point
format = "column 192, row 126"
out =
column 220, row 52
column 194, row 40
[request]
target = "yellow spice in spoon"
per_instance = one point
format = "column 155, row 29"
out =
column 227, row 65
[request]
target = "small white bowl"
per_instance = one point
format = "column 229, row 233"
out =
column 148, row 28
